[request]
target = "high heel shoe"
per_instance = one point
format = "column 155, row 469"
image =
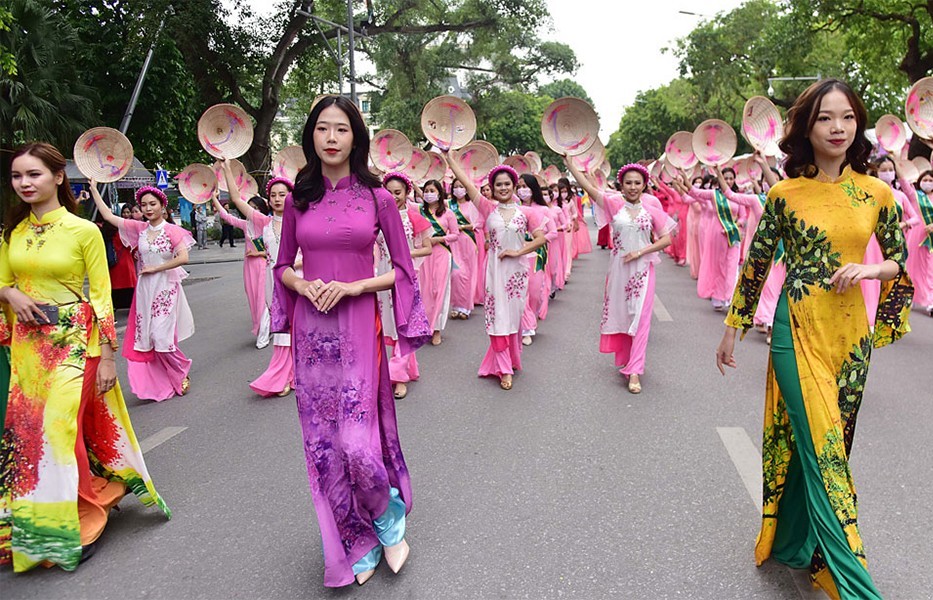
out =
column 397, row 555
column 365, row 576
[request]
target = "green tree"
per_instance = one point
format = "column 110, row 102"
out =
column 115, row 38
column 511, row 121
column 646, row 125
column 45, row 98
column 890, row 43
column 7, row 60
column 563, row 88
column 414, row 64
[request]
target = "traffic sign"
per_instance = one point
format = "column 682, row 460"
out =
column 161, row 179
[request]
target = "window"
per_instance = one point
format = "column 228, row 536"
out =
column 365, row 106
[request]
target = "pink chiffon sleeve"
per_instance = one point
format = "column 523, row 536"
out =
column 550, row 230
column 283, row 298
column 661, row 222
column 612, row 203
column 410, row 320
column 258, row 220
column 911, row 218
column 179, row 237
column 537, row 220
column 130, row 231
column 418, row 223
column 231, row 220
column 449, row 222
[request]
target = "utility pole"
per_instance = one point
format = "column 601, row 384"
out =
column 128, row 115
column 351, row 31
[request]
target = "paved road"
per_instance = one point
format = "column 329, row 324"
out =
column 566, row 486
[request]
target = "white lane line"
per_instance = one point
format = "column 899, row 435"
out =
column 660, row 311
column 160, row 437
column 747, row 461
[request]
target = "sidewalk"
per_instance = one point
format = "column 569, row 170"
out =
column 214, row 254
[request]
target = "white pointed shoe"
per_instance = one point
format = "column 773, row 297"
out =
column 364, row 576
column 397, row 555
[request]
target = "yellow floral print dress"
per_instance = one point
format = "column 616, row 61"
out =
column 48, row 260
column 824, row 225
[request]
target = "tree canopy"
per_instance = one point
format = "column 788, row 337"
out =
column 878, row 46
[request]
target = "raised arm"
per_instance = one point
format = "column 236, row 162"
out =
column 456, row 168
column 595, row 194
column 769, row 175
column 102, row 207
column 245, row 209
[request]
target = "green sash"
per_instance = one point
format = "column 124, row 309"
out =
column 438, row 228
column 779, row 252
column 540, row 253
column 462, row 220
column 727, row 219
column 900, row 212
column 926, row 211
column 763, row 198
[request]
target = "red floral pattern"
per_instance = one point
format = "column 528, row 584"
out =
column 22, row 445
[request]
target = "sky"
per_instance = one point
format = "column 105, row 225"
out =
column 618, row 45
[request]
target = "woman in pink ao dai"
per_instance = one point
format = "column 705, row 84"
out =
column 639, row 232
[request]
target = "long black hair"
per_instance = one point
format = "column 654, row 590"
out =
column 800, row 120
column 564, row 184
column 309, row 187
column 537, row 196
column 259, row 203
column 441, row 196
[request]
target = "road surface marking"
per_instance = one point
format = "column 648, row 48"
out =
column 660, row 311
column 747, row 461
column 160, row 437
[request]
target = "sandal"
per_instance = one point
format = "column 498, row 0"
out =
column 634, row 386
column 504, row 383
column 526, row 340
column 401, row 390
column 436, row 339
column 185, row 385
column 285, row 392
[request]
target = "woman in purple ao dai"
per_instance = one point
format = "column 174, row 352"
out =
column 359, row 482
column 640, row 230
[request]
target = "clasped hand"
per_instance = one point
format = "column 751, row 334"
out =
column 851, row 274
column 325, row 296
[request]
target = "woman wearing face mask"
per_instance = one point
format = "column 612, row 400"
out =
column 557, row 254
column 920, row 240
column 678, row 210
column 569, row 206
column 434, row 273
column 402, row 369
column 160, row 316
column 465, row 252
column 508, row 224
column 871, row 289
column 581, row 232
column 539, row 284
column 359, row 481
column 825, row 213
column 255, row 255
column 629, row 295
column 694, row 219
column 69, row 451
column 721, row 246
